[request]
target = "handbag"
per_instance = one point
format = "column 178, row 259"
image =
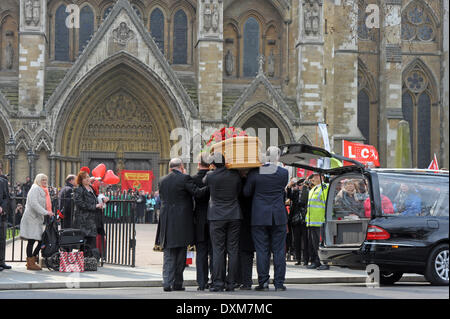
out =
column 71, row 262
column 90, row 264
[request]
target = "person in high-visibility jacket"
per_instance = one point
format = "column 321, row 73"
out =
column 315, row 218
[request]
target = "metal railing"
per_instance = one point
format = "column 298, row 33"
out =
column 118, row 221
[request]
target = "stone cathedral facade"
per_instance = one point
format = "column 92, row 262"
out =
column 90, row 81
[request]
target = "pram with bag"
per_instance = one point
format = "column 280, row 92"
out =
column 55, row 241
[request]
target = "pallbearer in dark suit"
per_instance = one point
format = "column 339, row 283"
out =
column 176, row 222
column 202, row 238
column 266, row 185
column 224, row 217
column 246, row 247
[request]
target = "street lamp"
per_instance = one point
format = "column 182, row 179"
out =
column 11, row 146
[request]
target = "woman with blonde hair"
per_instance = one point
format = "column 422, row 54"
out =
column 38, row 205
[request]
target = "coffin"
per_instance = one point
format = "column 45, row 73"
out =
column 240, row 152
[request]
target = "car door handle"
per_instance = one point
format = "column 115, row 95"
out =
column 434, row 224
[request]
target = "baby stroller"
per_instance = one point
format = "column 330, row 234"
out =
column 54, row 241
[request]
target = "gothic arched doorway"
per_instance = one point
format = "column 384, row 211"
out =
column 262, row 121
column 122, row 119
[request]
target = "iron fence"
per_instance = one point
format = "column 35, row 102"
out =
column 117, row 246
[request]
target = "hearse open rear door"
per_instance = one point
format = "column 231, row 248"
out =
column 349, row 204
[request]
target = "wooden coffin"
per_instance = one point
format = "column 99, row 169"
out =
column 240, row 152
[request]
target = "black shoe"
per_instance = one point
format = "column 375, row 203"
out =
column 215, row 289
column 179, row 289
column 245, row 287
column 312, row 266
column 281, row 288
column 230, row 288
column 298, row 263
column 323, row 267
column 201, row 289
column 5, row 266
column 1, row 269
column 167, row 289
column 264, row 287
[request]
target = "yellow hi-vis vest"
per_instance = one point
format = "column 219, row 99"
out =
column 315, row 215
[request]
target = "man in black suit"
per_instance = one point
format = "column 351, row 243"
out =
column 202, row 238
column 176, row 223
column 224, row 217
column 4, row 204
column 269, row 218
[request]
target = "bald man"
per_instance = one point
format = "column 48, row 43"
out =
column 176, row 192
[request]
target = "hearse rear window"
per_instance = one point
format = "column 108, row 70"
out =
column 413, row 195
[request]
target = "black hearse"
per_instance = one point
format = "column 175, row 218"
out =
column 396, row 219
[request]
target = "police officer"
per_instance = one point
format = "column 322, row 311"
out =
column 315, row 217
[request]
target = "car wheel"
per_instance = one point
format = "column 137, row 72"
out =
column 390, row 278
column 437, row 266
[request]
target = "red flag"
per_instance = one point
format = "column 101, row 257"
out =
column 140, row 180
column 60, row 214
column 434, row 164
column 365, row 154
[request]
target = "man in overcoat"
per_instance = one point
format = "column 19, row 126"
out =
column 176, row 191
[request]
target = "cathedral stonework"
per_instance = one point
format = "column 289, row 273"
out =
column 115, row 89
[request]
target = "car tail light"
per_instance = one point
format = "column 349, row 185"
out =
column 376, row 233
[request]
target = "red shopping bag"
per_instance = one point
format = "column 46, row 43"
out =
column 71, row 262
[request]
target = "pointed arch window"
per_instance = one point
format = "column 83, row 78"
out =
column 86, row 27
column 180, row 31
column 417, row 111
column 61, row 35
column 251, row 47
column 364, row 114
column 157, row 28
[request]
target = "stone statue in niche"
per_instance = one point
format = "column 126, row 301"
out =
column 207, row 17
column 28, row 12
column 311, row 17
column 36, row 11
column 122, row 34
column 9, row 54
column 271, row 64
column 215, row 18
column 229, row 63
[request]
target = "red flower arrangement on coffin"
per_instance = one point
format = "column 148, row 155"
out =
column 223, row 134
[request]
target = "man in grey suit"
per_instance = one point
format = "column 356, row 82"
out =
column 224, row 217
column 266, row 185
column 176, row 222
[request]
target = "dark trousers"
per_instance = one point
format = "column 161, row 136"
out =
column 267, row 240
column 2, row 240
column 301, row 248
column 173, row 267
column 225, row 240
column 67, row 221
column 314, row 241
column 204, row 250
column 246, row 268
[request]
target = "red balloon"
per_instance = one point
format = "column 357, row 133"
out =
column 96, row 186
column 111, row 178
column 99, row 171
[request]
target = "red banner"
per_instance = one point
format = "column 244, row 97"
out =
column 365, row 154
column 140, row 180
